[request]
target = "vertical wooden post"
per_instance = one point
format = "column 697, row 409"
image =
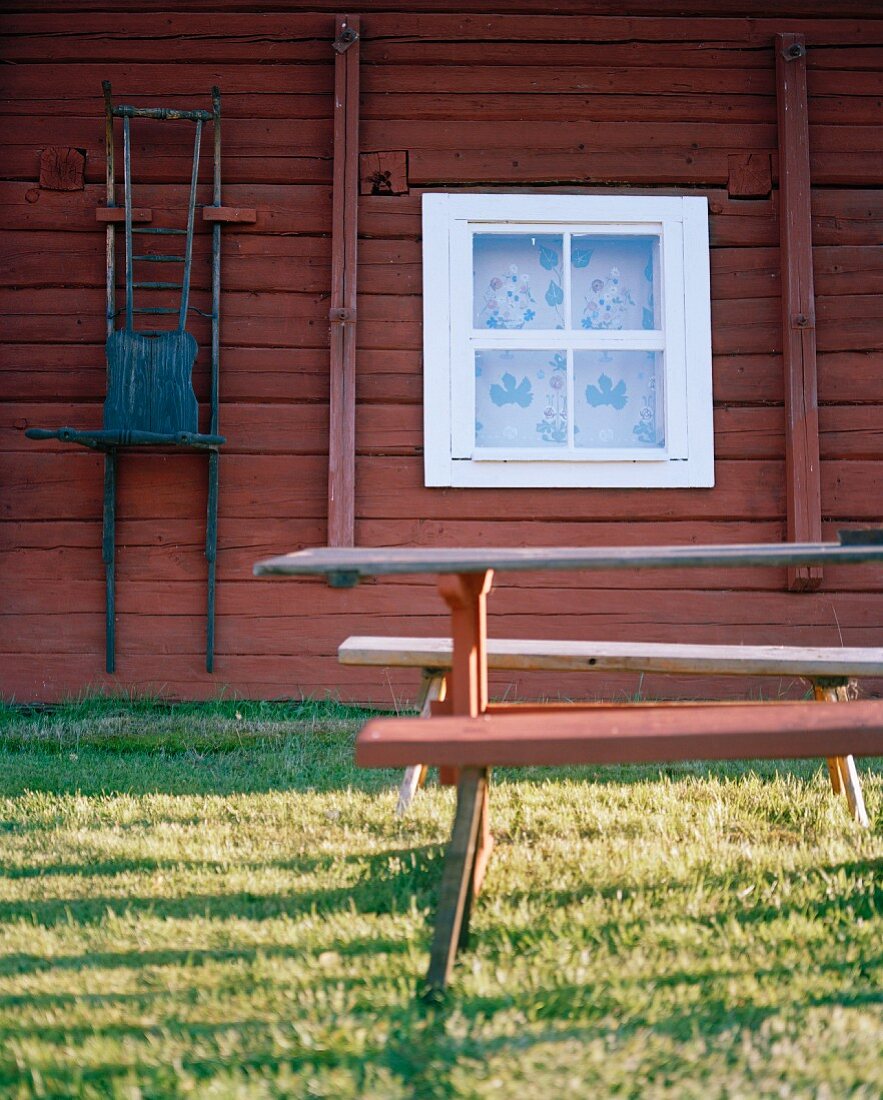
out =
column 803, row 483
column 344, row 237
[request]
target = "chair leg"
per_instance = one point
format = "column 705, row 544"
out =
column 108, row 553
column 211, row 549
column 842, row 769
column 452, row 918
column 432, row 688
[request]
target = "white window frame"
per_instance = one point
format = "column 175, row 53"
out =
column 450, row 455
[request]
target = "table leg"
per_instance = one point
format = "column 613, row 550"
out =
column 466, row 596
column 457, row 887
column 471, row 841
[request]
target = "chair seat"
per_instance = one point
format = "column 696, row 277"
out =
column 105, row 439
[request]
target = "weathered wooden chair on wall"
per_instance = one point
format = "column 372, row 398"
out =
column 150, row 399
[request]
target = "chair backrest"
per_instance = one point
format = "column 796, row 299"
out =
column 149, row 371
column 150, row 386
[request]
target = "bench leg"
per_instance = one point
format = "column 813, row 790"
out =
column 432, row 688
column 841, row 769
column 853, row 789
column 457, row 885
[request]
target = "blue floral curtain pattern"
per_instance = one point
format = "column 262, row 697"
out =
column 520, row 398
column 615, row 398
column 517, row 281
column 553, row 425
column 613, row 282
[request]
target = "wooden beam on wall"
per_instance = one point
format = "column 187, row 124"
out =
column 344, row 237
column 803, row 488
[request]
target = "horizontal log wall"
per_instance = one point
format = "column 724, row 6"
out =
column 655, row 99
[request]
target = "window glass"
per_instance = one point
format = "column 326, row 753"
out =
column 518, row 281
column 614, row 282
column 520, row 398
column 618, row 400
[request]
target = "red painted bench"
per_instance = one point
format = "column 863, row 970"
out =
column 828, row 669
column 608, row 735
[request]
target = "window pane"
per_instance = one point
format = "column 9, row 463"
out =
column 618, row 399
column 613, row 282
column 520, row 398
column 517, row 281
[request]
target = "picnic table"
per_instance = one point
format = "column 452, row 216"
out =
column 465, row 577
column 465, row 749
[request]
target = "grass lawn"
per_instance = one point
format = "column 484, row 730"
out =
column 213, row 902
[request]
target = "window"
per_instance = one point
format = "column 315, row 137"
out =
column 567, row 341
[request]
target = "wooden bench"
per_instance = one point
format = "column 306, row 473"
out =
column 829, row 671
column 612, row 735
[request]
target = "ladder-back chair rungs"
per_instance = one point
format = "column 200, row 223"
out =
column 162, row 114
column 158, row 230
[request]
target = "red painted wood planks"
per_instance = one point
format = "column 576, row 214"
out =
column 439, row 83
column 626, row 735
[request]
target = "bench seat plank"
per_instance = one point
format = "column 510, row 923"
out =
column 593, row 656
column 718, row 732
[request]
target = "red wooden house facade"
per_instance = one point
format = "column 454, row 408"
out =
column 629, row 98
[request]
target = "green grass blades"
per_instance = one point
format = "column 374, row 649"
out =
column 213, row 902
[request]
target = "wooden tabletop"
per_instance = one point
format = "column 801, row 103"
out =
column 345, row 567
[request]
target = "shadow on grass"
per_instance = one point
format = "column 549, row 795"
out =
column 416, row 1045
column 20, row 963
column 386, row 883
column 317, row 765
column 284, row 768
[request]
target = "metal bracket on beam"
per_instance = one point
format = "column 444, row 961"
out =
column 345, row 39
column 342, row 579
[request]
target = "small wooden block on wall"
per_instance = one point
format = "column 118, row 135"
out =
column 117, row 214
column 383, row 173
column 241, row 215
column 750, row 175
column 62, row 169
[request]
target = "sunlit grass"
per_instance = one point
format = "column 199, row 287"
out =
column 212, row 901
